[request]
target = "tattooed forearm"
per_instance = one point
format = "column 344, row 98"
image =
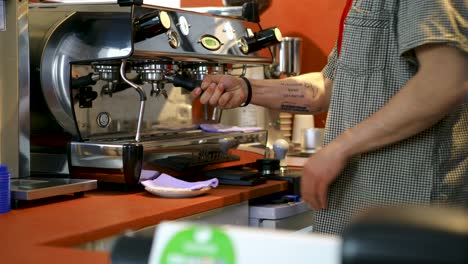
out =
column 304, row 94
column 297, row 96
column 298, row 89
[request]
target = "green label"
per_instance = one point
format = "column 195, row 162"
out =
column 199, row 245
column 210, row 43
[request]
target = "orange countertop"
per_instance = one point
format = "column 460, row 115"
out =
column 45, row 231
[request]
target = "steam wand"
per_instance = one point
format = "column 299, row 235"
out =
column 142, row 94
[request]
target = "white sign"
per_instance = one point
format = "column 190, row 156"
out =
column 166, row 3
column 178, row 242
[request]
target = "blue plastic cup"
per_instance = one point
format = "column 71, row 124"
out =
column 5, row 195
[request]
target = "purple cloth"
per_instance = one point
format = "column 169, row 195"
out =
column 165, row 181
column 148, row 175
column 225, row 128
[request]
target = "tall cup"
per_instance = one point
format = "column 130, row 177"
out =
column 313, row 138
column 301, row 123
column 287, row 57
column 5, row 195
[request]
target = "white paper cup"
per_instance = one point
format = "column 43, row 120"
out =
column 313, row 138
column 301, row 123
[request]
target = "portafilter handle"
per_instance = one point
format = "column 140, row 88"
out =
column 213, row 115
column 186, row 83
column 83, row 81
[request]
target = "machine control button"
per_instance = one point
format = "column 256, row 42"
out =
column 165, row 19
column 260, row 40
column 173, row 39
column 183, row 25
column 210, row 42
column 151, row 24
column 243, row 46
column 103, row 119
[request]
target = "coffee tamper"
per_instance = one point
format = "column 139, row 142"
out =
column 276, row 169
column 268, row 167
column 280, row 148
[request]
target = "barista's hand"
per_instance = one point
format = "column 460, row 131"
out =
column 320, row 171
column 222, row 90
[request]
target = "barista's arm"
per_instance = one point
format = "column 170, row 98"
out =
column 440, row 84
column 307, row 93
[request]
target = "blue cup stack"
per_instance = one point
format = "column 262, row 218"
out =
column 5, row 205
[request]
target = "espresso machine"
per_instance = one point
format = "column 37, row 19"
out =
column 110, row 84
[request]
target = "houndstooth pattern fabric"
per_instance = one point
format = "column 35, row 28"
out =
column 376, row 60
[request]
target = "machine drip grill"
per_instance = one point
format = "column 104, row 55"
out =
column 188, row 161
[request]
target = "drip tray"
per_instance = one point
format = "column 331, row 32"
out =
column 35, row 188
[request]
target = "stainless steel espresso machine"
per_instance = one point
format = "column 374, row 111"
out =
column 110, row 88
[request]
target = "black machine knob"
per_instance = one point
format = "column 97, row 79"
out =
column 151, row 24
column 260, row 40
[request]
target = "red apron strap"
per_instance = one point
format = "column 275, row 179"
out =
column 349, row 3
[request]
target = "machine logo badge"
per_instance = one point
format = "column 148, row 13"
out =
column 210, row 42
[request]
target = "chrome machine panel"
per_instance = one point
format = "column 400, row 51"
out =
column 106, row 83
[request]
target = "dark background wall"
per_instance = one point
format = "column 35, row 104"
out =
column 315, row 21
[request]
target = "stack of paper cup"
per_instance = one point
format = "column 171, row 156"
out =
column 285, row 123
column 301, row 123
column 4, row 189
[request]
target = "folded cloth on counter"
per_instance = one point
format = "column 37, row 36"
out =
column 165, row 181
column 226, row 128
column 148, row 175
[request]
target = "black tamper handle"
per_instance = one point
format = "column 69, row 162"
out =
column 184, row 82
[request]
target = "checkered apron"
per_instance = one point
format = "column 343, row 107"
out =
column 376, row 60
